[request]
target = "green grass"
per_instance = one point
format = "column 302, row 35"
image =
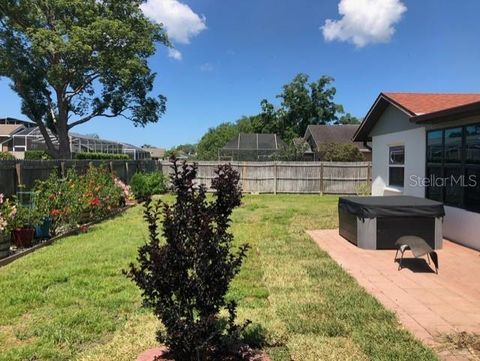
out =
column 70, row 301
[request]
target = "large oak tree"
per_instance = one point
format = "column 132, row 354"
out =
column 74, row 60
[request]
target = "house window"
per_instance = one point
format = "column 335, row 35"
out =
column 453, row 166
column 396, row 169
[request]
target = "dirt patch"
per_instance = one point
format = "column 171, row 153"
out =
column 464, row 342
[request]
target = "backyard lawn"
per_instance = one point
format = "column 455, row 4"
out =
column 70, row 301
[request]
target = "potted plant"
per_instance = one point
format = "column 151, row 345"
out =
column 24, row 225
column 7, row 215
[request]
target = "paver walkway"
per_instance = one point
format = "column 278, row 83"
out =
column 427, row 304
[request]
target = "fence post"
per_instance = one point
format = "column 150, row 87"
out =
column 62, row 169
column 275, row 175
column 321, row 179
column 18, row 168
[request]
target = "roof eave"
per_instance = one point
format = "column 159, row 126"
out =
column 449, row 114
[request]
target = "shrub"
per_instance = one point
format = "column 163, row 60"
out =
column 185, row 279
column 37, row 155
column 60, row 199
column 100, row 194
column 335, row 152
column 6, row 156
column 107, row 156
column 144, row 185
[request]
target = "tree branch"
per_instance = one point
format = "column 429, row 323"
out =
column 94, row 115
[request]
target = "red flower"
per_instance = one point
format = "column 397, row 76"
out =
column 55, row 213
column 95, row 201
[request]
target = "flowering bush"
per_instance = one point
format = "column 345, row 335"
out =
column 77, row 199
column 8, row 211
column 100, row 193
column 59, row 198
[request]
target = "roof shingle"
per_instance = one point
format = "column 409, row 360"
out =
column 424, row 103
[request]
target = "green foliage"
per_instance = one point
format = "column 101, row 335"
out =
column 6, row 156
column 37, row 155
column 26, row 217
column 294, row 151
column 106, row 156
column 74, row 60
column 145, row 185
column 217, row 137
column 182, row 150
column 336, row 152
column 185, row 279
column 8, row 211
column 349, row 119
column 302, row 104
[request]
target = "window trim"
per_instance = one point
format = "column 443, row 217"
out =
column 393, row 165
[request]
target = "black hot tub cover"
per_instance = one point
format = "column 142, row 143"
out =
column 391, row 206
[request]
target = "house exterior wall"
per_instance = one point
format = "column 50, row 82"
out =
column 394, row 128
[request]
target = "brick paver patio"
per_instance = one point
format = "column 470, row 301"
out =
column 427, row 304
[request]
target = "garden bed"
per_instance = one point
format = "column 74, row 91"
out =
column 17, row 253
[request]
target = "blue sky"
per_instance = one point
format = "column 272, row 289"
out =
column 235, row 53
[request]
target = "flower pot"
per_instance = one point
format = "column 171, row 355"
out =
column 23, row 237
column 42, row 230
column 4, row 245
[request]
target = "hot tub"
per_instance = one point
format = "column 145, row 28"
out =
column 377, row 222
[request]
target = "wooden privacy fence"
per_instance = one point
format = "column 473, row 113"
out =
column 256, row 177
column 25, row 173
column 292, row 177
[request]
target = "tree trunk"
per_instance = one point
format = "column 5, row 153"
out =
column 64, row 151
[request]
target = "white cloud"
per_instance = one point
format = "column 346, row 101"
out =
column 364, row 21
column 180, row 21
column 174, row 54
column 206, row 67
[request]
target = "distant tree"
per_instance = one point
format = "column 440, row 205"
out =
column 336, row 152
column 349, row 119
column 216, row 138
column 74, row 60
column 183, row 150
column 302, row 104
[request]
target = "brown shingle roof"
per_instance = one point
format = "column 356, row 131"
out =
column 341, row 133
column 9, row 129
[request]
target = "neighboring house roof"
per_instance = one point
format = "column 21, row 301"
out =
column 9, row 120
column 421, row 107
column 156, row 152
column 255, row 141
column 9, row 129
column 340, row 133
